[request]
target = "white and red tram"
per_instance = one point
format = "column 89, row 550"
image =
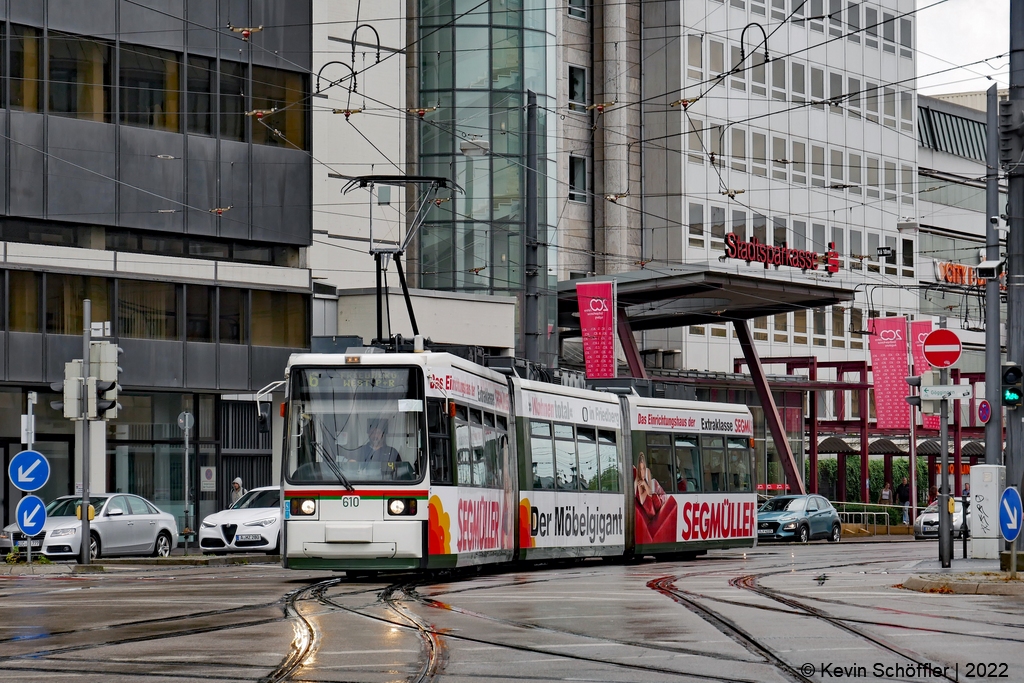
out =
column 430, row 461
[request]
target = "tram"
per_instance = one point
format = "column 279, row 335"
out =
column 406, row 461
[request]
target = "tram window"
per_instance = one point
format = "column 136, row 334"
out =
column 713, row 459
column 491, row 469
column 461, row 413
column 659, row 459
column 464, row 454
column 480, row 476
column 739, row 464
column 475, row 417
column 542, row 455
column 609, row 454
column 502, row 423
column 565, row 458
column 586, row 449
column 438, row 426
column 488, row 419
column 688, row 472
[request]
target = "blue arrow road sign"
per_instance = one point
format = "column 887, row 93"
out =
column 29, row 470
column 1011, row 514
column 31, row 515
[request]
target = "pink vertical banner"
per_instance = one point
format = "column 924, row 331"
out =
column 918, row 331
column 597, row 322
column 888, row 344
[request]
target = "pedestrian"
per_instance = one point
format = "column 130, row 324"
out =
column 967, row 489
column 933, row 494
column 885, row 497
column 237, row 490
column 903, row 496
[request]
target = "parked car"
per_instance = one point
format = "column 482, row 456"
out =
column 124, row 524
column 251, row 524
column 927, row 523
column 798, row 518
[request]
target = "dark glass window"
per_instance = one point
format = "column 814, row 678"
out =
column 279, row 319
column 234, row 325
column 64, row 296
column 284, row 91
column 210, row 250
column 199, row 80
column 80, row 77
column 147, row 310
column 155, row 244
column 199, row 313
column 232, row 100
column 577, row 179
column 23, row 304
column 246, row 252
column 26, row 69
column 150, row 92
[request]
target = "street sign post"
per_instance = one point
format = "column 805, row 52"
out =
column 29, row 471
column 942, row 348
column 185, row 422
column 31, row 516
column 947, row 391
column 984, row 412
column 1011, row 515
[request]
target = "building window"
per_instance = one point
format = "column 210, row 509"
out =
column 873, row 178
column 759, row 154
column 835, row 92
column 853, row 97
column 853, row 22
column 715, row 135
column 64, row 296
column 906, row 38
column 888, row 32
column 908, row 257
column 819, row 326
column 837, row 169
column 779, row 232
column 838, row 327
column 799, row 85
column 739, row 149
column 890, row 242
column 871, row 27
column 855, row 173
column 761, row 328
column 147, row 310
column 872, row 254
column 760, row 228
column 739, row 224
column 779, row 160
column 234, row 323
column 837, row 240
column 695, row 57
column 781, row 327
column 799, row 160
column 835, row 17
column 890, row 180
column 578, row 9
column 717, row 226
column 717, row 58
column 577, row 88
column 757, row 74
column 696, row 225
column 200, row 306
column 889, row 107
column 907, row 110
column 818, row 238
column 279, row 319
column 738, row 80
column 907, row 184
column 80, row 78
column 23, row 302
column 199, row 80
column 799, row 235
column 818, row 166
column 26, row 71
column 779, row 79
column 577, row 179
column 284, row 91
column 232, row 101
column 800, row 327
column 149, row 93
column 817, row 87
column 779, row 10
column 695, row 141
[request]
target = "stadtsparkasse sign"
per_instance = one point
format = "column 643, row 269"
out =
column 769, row 255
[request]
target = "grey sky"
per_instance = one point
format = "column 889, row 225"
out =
column 960, row 32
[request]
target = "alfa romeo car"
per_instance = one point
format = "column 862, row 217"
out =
column 251, row 524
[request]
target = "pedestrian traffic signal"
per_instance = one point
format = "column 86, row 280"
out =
column 1013, row 392
column 71, row 390
column 102, row 387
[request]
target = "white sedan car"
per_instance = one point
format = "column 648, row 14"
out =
column 253, row 524
column 123, row 525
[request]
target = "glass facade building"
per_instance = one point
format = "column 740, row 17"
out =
column 477, row 63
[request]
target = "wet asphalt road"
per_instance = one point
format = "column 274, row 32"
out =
column 779, row 613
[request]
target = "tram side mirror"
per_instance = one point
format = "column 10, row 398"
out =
column 263, row 418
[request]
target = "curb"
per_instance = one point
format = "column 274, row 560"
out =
column 942, row 586
column 190, row 561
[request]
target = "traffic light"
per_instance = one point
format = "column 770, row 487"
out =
column 914, row 381
column 925, row 379
column 1013, row 394
column 102, row 387
column 71, row 388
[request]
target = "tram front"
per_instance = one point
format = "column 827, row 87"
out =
column 354, row 463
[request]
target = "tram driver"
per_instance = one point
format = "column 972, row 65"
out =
column 377, row 450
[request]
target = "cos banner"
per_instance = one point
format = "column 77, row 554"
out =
column 888, row 343
column 919, row 329
column 597, row 322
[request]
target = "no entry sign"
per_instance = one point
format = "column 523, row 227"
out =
column 942, row 348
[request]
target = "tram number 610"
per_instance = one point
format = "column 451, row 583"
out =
column 350, row 502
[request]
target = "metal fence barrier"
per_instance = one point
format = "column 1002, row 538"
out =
column 865, row 519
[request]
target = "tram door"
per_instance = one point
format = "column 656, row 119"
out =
column 58, row 453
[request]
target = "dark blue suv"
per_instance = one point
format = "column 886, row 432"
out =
column 798, row 518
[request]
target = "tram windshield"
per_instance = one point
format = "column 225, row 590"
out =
column 355, row 424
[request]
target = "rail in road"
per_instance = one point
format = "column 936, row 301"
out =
column 769, row 615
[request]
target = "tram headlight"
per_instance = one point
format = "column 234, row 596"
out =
column 303, row 507
column 398, row 507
